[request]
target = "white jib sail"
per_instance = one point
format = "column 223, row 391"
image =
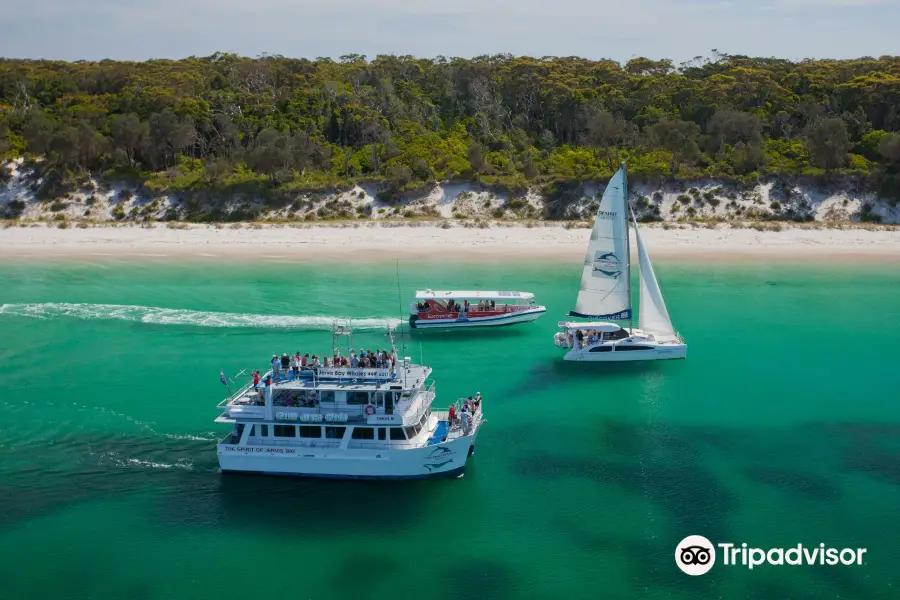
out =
column 604, row 280
column 653, row 316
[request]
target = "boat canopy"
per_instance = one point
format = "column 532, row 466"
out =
column 603, row 326
column 442, row 295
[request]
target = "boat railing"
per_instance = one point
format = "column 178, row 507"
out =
column 427, row 399
column 235, row 395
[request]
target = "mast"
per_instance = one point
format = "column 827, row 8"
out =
column 400, row 304
column 628, row 248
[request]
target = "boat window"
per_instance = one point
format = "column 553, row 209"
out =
column 262, row 430
column 397, row 433
column 326, row 396
column 285, row 430
column 410, row 432
column 363, row 433
column 601, row 349
column 628, row 348
column 310, row 431
column 335, row 433
column 381, row 433
column 357, row 397
column 618, row 334
column 418, row 428
column 422, row 420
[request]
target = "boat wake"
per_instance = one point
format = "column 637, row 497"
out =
column 178, row 316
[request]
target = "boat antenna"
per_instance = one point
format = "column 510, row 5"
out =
column 400, row 306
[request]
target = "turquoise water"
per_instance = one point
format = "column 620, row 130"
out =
column 782, row 427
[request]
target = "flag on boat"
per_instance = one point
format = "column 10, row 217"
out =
column 222, row 377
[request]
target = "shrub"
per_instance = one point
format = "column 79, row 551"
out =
column 684, row 199
column 58, row 206
column 775, row 205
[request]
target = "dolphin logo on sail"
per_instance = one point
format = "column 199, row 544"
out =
column 608, row 264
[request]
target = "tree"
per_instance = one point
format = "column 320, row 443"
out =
column 64, row 146
column 4, row 142
column 601, row 129
column 90, row 144
column 827, row 143
column 217, row 169
column 38, row 131
column 475, row 154
column 679, row 138
column 161, row 128
column 129, row 134
column 728, row 127
column 528, row 166
column 548, row 118
column 889, row 147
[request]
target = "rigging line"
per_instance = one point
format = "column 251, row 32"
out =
column 400, row 306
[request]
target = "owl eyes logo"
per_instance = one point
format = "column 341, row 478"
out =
column 695, row 555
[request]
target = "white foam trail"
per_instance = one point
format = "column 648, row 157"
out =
column 179, row 316
column 158, row 465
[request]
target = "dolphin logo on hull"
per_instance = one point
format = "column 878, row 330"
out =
column 434, row 466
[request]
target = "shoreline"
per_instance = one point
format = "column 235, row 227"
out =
column 370, row 241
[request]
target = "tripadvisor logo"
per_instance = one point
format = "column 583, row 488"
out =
column 696, row 555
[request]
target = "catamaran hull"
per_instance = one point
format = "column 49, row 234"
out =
column 662, row 352
column 528, row 316
column 447, row 459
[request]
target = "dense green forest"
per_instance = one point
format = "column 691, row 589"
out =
column 277, row 125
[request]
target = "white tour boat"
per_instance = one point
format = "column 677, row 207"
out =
column 605, row 294
column 472, row 309
column 371, row 422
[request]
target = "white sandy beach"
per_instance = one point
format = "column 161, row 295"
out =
column 426, row 240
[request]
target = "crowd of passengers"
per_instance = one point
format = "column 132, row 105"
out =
column 288, row 365
column 454, row 306
column 466, row 413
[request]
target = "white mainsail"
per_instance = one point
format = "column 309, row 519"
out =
column 652, row 314
column 604, row 292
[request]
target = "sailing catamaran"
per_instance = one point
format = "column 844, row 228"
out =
column 605, row 294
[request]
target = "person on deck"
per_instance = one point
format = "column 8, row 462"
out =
column 304, row 362
column 285, row 362
column 276, row 365
column 295, row 364
column 451, row 415
column 354, row 361
column 255, row 379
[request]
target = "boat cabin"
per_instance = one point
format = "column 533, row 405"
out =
column 580, row 335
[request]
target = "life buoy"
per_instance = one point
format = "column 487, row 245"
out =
column 370, row 410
